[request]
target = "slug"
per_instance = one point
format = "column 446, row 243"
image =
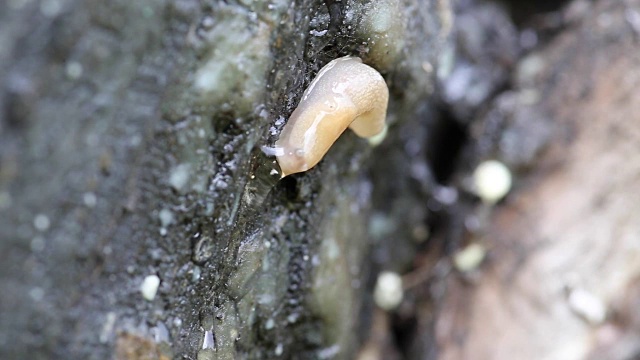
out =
column 345, row 94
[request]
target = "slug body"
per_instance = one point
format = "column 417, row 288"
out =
column 345, row 94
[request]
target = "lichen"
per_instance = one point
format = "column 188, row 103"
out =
column 335, row 295
column 234, row 68
column 382, row 28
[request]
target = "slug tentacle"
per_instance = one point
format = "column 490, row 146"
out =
column 345, row 94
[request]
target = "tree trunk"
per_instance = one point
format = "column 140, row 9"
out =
column 561, row 276
column 130, row 139
column 141, row 219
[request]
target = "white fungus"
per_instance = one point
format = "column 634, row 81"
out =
column 492, row 181
column 166, row 217
column 469, row 258
column 149, row 287
column 588, row 306
column 388, row 291
column 179, row 176
column 74, row 70
column 279, row 349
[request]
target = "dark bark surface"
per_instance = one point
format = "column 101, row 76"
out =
column 129, row 134
column 561, row 276
column 130, row 151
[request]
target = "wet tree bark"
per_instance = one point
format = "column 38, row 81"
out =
column 140, row 219
column 560, row 277
column 130, row 137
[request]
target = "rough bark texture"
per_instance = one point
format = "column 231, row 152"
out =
column 130, row 134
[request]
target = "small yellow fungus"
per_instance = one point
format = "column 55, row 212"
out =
column 492, row 180
column 388, row 291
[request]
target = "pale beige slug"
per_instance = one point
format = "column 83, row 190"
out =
column 345, row 93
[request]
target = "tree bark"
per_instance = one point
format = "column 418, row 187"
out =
column 560, row 279
column 129, row 135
